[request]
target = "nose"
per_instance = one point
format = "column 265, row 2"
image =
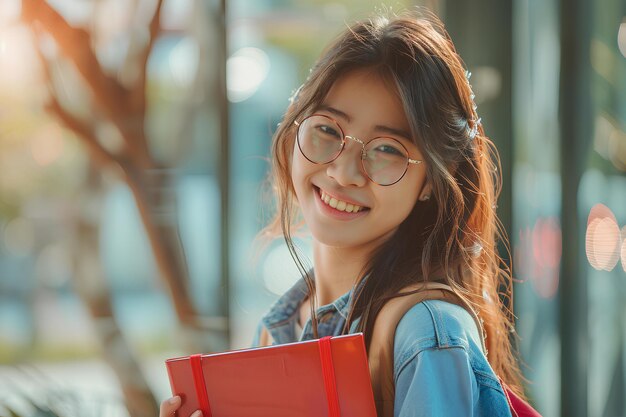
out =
column 347, row 169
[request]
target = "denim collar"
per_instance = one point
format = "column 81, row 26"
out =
column 284, row 311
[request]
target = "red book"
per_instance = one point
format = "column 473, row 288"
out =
column 327, row 377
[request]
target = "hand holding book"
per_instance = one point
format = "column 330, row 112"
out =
column 171, row 405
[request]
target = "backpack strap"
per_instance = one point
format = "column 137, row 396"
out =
column 380, row 354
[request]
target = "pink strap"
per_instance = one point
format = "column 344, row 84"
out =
column 328, row 372
column 198, row 382
column 519, row 407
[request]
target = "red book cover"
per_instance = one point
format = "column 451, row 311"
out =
column 327, row 377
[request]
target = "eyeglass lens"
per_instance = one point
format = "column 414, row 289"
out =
column 321, row 141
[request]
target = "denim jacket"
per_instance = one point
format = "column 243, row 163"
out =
column 439, row 366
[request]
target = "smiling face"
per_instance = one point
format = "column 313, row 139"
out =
column 366, row 107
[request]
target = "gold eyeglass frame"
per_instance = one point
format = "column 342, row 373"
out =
column 363, row 153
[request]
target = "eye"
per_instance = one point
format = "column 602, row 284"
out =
column 328, row 130
column 389, row 150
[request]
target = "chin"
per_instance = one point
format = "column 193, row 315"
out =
column 334, row 239
column 346, row 240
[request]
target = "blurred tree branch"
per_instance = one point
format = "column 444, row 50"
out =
column 110, row 97
column 124, row 107
column 90, row 283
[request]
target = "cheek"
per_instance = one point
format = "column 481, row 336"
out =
column 402, row 204
column 402, row 200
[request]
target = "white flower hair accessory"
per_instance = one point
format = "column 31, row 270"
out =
column 294, row 94
column 475, row 122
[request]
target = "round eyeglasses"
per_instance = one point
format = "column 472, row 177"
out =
column 321, row 140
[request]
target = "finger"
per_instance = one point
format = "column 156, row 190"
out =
column 169, row 406
column 197, row 413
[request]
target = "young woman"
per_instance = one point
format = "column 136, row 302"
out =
column 382, row 156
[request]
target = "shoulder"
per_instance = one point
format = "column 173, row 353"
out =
column 439, row 364
column 434, row 324
column 437, row 324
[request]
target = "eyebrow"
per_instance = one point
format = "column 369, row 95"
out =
column 381, row 128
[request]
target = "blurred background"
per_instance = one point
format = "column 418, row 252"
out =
column 134, row 137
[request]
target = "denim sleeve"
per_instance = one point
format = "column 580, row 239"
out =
column 436, row 382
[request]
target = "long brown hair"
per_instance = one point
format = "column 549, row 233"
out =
column 450, row 238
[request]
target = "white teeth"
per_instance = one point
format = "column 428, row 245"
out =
column 339, row 204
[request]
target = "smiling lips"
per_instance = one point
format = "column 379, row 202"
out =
column 339, row 204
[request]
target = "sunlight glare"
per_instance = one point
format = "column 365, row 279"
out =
column 19, row 64
column 10, row 11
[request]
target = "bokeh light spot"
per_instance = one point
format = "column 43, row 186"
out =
column 183, row 62
column 602, row 240
column 279, row 270
column 247, row 69
column 546, row 246
column 621, row 38
column 624, row 248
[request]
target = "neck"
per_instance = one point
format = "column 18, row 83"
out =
column 336, row 271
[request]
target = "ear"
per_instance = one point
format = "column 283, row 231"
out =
column 425, row 193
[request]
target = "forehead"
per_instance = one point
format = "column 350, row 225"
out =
column 368, row 98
